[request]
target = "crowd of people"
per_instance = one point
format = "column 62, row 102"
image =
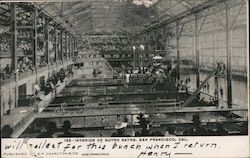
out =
column 107, row 44
column 5, row 72
column 161, row 77
column 221, row 68
column 184, row 85
column 96, row 72
column 51, row 130
column 145, row 129
column 194, row 129
column 52, row 81
column 24, row 65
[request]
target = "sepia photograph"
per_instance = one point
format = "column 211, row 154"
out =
column 85, row 70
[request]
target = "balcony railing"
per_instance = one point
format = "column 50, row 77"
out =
column 10, row 78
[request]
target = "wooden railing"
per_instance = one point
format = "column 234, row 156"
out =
column 71, row 114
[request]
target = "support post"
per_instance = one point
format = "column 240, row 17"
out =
column 46, row 31
column 13, row 37
column 213, row 50
column 141, row 65
column 148, row 41
column 14, row 51
column 73, row 45
column 164, row 38
column 69, row 47
column 65, row 46
column 56, row 45
column 76, row 43
column 178, row 51
column 35, row 36
column 61, row 45
column 229, row 52
column 155, row 40
column 197, row 52
column 134, row 58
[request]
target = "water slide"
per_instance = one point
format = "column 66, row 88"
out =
column 197, row 91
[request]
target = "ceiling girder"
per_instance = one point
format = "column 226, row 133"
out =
column 207, row 4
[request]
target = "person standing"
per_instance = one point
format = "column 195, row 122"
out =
column 66, row 128
column 170, row 132
column 127, row 75
column 208, row 87
column 221, row 92
column 6, row 131
column 216, row 93
column 7, row 69
column 50, row 131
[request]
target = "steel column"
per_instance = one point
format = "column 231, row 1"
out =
column 197, row 52
column 72, row 46
column 13, row 37
column 229, row 52
column 61, row 45
column 56, row 56
column 14, row 51
column 178, row 51
column 65, row 46
column 35, row 36
column 69, row 46
column 213, row 44
column 46, row 33
column 76, row 43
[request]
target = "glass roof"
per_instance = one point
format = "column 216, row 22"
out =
column 119, row 16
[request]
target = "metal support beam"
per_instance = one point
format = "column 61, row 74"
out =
column 197, row 52
column 179, row 32
column 69, row 46
column 61, row 45
column 178, row 51
column 237, row 15
column 46, row 40
column 213, row 48
column 72, row 45
column 35, row 13
column 13, row 37
column 197, row 91
column 164, row 37
column 56, row 45
column 219, row 21
column 200, row 8
column 76, row 43
column 66, row 46
column 229, row 52
column 14, row 50
column 148, row 38
column 204, row 20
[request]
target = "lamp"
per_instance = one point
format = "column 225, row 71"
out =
column 134, row 48
column 142, row 47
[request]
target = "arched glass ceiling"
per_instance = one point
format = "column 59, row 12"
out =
column 118, row 16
